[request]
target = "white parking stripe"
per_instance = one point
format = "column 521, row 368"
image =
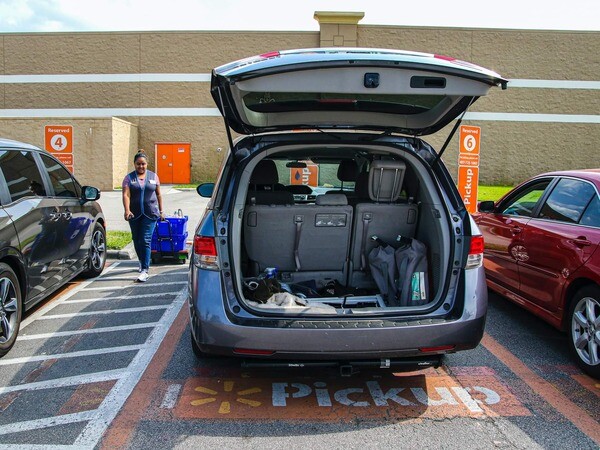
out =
column 99, row 351
column 114, row 401
column 67, row 381
column 133, row 277
column 117, row 297
column 52, row 305
column 170, row 398
column 136, row 285
column 46, row 422
column 109, row 311
column 137, row 326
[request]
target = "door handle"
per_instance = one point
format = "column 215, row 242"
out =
column 582, row 241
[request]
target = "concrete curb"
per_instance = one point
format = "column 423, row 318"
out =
column 127, row 252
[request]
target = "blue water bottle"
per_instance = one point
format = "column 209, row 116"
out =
column 271, row 272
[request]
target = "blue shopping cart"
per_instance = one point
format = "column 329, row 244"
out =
column 170, row 239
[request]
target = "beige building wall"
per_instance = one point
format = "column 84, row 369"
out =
column 99, row 145
column 513, row 147
column 514, row 150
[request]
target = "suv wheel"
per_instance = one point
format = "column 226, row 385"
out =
column 10, row 308
column 97, row 252
column 584, row 329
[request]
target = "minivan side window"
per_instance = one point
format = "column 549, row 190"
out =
column 21, row 173
column 63, row 183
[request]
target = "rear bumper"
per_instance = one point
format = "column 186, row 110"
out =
column 215, row 332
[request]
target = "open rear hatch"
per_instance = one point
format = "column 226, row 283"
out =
column 369, row 89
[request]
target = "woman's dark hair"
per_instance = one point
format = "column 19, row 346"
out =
column 138, row 155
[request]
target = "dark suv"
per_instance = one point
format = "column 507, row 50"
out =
column 51, row 230
column 334, row 234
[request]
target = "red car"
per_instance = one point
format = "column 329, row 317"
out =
column 542, row 251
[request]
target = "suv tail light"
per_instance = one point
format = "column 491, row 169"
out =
column 475, row 258
column 205, row 253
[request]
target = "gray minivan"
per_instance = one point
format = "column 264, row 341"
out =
column 51, row 230
column 334, row 234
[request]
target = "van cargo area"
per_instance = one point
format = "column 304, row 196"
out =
column 370, row 234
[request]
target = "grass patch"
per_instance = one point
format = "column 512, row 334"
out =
column 116, row 240
column 492, row 192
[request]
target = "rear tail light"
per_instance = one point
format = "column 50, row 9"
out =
column 475, row 258
column 439, row 348
column 205, row 253
column 253, row 352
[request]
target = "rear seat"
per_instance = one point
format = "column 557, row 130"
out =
column 265, row 188
column 308, row 241
column 381, row 217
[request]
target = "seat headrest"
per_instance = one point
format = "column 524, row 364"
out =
column 265, row 172
column 347, row 170
column 385, row 180
column 331, row 200
column 361, row 188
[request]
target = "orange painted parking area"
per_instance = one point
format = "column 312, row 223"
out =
column 220, row 390
column 431, row 394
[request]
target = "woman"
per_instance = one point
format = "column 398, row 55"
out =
column 143, row 207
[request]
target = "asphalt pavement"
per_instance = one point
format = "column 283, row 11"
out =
column 186, row 200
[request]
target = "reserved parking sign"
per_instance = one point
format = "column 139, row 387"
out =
column 468, row 165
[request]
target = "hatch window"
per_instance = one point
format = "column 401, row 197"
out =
column 273, row 102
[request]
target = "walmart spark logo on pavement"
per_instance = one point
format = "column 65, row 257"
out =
column 227, row 397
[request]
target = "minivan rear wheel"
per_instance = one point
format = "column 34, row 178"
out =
column 10, row 308
column 584, row 329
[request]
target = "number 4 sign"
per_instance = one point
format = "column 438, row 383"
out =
column 59, row 141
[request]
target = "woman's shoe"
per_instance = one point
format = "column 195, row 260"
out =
column 143, row 276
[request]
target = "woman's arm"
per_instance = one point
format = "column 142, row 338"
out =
column 126, row 202
column 160, row 205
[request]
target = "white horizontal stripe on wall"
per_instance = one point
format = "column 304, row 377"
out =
column 531, row 117
column 108, row 78
column 214, row 112
column 110, row 112
column 205, row 77
column 553, row 84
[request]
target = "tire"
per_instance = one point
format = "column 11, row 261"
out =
column 97, row 257
column 11, row 308
column 584, row 329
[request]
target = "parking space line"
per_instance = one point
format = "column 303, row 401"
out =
column 97, row 377
column 135, row 285
column 109, row 311
column 548, row 392
column 170, row 398
column 46, row 422
column 53, row 304
column 100, row 351
column 134, row 276
column 117, row 297
column 132, row 411
column 136, row 326
column 114, row 401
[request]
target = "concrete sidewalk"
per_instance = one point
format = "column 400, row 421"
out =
column 188, row 200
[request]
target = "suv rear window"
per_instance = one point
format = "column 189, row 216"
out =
column 269, row 102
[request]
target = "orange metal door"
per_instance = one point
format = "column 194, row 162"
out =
column 164, row 163
column 182, row 162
